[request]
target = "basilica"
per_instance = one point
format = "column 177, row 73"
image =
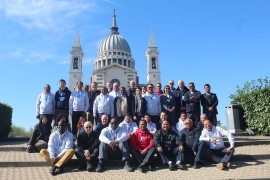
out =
column 114, row 62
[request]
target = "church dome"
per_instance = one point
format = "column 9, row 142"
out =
column 114, row 42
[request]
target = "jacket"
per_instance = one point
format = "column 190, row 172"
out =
column 141, row 140
column 119, row 99
column 207, row 102
column 193, row 101
column 167, row 140
column 92, row 96
column 39, row 134
column 179, row 97
column 88, row 143
column 190, row 138
column 152, row 104
column 62, row 99
column 78, row 101
column 167, row 102
column 134, row 106
column 104, row 104
column 45, row 103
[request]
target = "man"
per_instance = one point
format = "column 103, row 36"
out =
column 59, row 148
column 103, row 104
column 131, row 90
column 92, row 94
column 78, row 105
column 209, row 103
column 181, row 124
column 163, row 117
column 192, row 99
column 109, row 88
column 152, row 127
column 190, row 140
column 104, row 123
column 138, row 106
column 216, row 151
column 200, row 125
column 179, row 93
column 167, row 144
column 172, row 89
column 152, row 104
column 62, row 99
column 122, row 105
column 158, row 89
column 86, row 88
column 113, row 141
column 115, row 92
column 87, row 147
column 167, row 103
column 45, row 105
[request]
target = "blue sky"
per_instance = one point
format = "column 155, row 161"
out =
column 223, row 43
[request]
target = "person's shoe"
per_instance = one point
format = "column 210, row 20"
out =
column 128, row 167
column 179, row 166
column 89, row 166
column 228, row 165
column 80, row 167
column 171, row 166
column 100, row 168
column 53, row 170
column 196, row 165
column 220, row 166
column 141, row 168
column 150, row 167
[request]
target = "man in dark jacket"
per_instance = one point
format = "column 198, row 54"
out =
column 92, row 94
column 131, row 90
column 62, row 99
column 168, row 143
column 192, row 99
column 87, row 148
column 103, row 124
column 209, row 103
column 179, row 93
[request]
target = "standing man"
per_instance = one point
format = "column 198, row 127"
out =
column 122, row 105
column 209, row 104
column 158, row 89
column 78, row 105
column 152, row 104
column 172, row 89
column 109, row 88
column 62, row 99
column 131, row 90
column 45, row 105
column 192, row 99
column 92, row 94
column 115, row 92
column 179, row 94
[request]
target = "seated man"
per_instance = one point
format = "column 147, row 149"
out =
column 167, row 143
column 142, row 146
column 152, row 128
column 87, row 148
column 59, row 148
column 163, row 117
column 216, row 151
column 102, row 125
column 128, row 125
column 190, row 140
column 200, row 124
column 181, row 124
column 113, row 139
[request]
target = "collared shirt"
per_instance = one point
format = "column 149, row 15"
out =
column 152, row 127
column 152, row 104
column 179, row 126
column 103, row 104
column 108, row 135
column 130, row 127
column 114, row 93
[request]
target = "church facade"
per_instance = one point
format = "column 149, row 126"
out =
column 114, row 62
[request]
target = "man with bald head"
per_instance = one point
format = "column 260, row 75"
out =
column 179, row 93
column 115, row 92
column 131, row 90
column 200, row 124
column 103, row 124
column 87, row 148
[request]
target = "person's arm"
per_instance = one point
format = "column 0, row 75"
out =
column 133, row 142
column 53, row 103
column 227, row 134
column 203, row 102
column 215, row 101
column 196, row 140
column 134, row 127
column 96, row 143
column 71, row 103
column 33, row 137
column 151, row 144
column 95, row 106
column 204, row 136
column 173, row 102
column 197, row 96
column 158, row 103
column 69, row 143
column 51, row 149
column 103, row 136
column 112, row 106
column 157, row 141
column 86, row 100
column 123, row 136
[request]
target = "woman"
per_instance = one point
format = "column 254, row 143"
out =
column 138, row 105
column 80, row 129
column 142, row 146
column 167, row 103
column 61, row 116
column 39, row 137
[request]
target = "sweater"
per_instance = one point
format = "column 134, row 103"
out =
column 78, row 101
column 39, row 133
column 109, row 135
column 130, row 127
column 104, row 105
column 45, row 103
column 141, row 140
column 62, row 99
column 190, row 138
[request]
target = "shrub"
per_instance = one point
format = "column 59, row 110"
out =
column 5, row 119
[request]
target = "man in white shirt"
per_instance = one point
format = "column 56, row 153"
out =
column 113, row 141
column 152, row 127
column 115, row 92
column 181, row 124
column 78, row 105
column 216, row 151
column 129, row 125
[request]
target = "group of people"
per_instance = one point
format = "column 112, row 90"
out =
column 128, row 122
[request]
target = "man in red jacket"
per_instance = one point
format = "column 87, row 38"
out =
column 142, row 146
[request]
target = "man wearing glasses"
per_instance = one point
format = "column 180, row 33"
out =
column 87, row 148
column 172, row 89
column 152, row 104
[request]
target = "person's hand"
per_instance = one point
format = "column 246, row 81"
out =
column 114, row 148
column 210, row 109
column 229, row 149
column 38, row 116
column 181, row 148
column 213, row 140
column 86, row 154
column 29, row 146
column 182, row 108
column 113, row 143
column 55, row 160
column 159, row 149
column 134, row 118
column 143, row 152
column 194, row 153
column 129, row 136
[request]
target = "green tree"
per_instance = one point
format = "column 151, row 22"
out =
column 254, row 98
column 5, row 119
column 20, row 132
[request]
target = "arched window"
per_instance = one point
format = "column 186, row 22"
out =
column 154, row 66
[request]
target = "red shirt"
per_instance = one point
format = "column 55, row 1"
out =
column 159, row 92
column 141, row 140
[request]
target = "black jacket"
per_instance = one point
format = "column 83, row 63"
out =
column 179, row 102
column 199, row 127
column 167, row 140
column 190, row 138
column 193, row 101
column 88, row 143
column 39, row 134
column 207, row 104
column 92, row 96
column 143, row 106
column 62, row 99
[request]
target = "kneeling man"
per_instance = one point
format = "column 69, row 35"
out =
column 59, row 148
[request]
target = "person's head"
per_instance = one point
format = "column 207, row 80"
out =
column 191, row 86
column 81, row 121
column 60, row 117
column 150, row 88
column 62, row 126
column 93, row 87
column 203, row 117
column 123, row 91
column 158, row 86
column 143, row 125
column 167, row 89
column 104, row 119
column 181, row 84
column 86, row 87
column 163, row 116
column 103, row 90
column 44, row 119
column 108, row 85
column 62, row 83
column 47, row 88
column 138, row 91
column 147, row 118
column 115, row 86
column 207, row 125
column 188, row 124
column 79, row 85
column 171, row 83
column 114, row 124
column 165, row 125
column 88, row 127
column 127, row 118
column 207, row 88
column 144, row 89
column 183, row 116
column 132, row 84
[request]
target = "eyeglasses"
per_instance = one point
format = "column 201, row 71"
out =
column 167, row 88
column 171, row 83
column 88, row 127
column 150, row 87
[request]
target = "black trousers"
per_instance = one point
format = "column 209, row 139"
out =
column 219, row 155
column 140, row 158
column 188, row 154
column 195, row 116
column 80, row 156
column 106, row 151
column 75, row 118
column 171, row 153
column 49, row 117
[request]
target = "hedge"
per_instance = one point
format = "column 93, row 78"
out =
column 5, row 119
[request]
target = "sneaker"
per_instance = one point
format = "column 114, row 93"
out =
column 141, row 168
column 89, row 166
column 100, row 168
column 196, row 165
column 150, row 167
column 53, row 170
column 128, row 167
column 179, row 166
column 228, row 165
column 220, row 166
column 171, row 166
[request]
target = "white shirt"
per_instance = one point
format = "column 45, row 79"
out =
column 130, row 127
column 114, row 93
column 179, row 126
column 108, row 135
column 152, row 127
column 78, row 101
